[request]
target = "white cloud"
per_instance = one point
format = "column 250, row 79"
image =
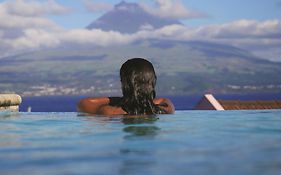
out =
column 22, row 33
column 253, row 35
column 97, row 6
column 262, row 38
column 95, row 37
column 12, row 21
column 172, row 9
column 33, row 8
column 245, row 29
column 24, row 27
column 23, row 14
column 34, row 39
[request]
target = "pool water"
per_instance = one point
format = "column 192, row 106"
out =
column 188, row 142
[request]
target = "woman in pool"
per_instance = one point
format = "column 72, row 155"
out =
column 138, row 81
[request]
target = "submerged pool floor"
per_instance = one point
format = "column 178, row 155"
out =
column 188, row 142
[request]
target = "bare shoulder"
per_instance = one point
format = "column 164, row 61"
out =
column 165, row 104
column 92, row 104
column 100, row 106
column 94, row 100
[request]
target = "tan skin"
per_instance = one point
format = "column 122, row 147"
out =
column 101, row 106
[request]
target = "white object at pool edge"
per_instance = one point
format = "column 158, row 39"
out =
column 208, row 102
column 214, row 102
column 10, row 102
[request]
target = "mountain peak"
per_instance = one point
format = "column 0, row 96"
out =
column 123, row 5
column 129, row 18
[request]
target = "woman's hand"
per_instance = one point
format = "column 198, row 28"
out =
column 165, row 104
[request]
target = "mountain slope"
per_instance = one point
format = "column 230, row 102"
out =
column 182, row 68
column 129, row 18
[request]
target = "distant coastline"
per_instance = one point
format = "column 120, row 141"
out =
column 187, row 102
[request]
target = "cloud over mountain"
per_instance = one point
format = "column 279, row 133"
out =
column 130, row 18
column 23, row 31
column 172, row 9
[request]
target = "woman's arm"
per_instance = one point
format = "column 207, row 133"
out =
column 100, row 105
column 165, row 104
column 92, row 105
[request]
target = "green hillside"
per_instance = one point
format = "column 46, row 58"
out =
column 182, row 68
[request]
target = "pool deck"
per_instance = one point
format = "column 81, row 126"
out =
column 10, row 102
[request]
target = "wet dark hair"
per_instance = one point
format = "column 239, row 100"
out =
column 138, row 86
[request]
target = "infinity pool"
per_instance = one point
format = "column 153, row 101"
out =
column 188, row 142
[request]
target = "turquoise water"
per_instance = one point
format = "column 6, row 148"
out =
column 188, row 142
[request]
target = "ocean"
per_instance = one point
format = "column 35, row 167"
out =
column 68, row 103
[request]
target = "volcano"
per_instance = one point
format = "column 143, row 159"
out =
column 130, row 18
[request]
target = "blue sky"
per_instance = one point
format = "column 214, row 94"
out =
column 254, row 25
column 217, row 11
